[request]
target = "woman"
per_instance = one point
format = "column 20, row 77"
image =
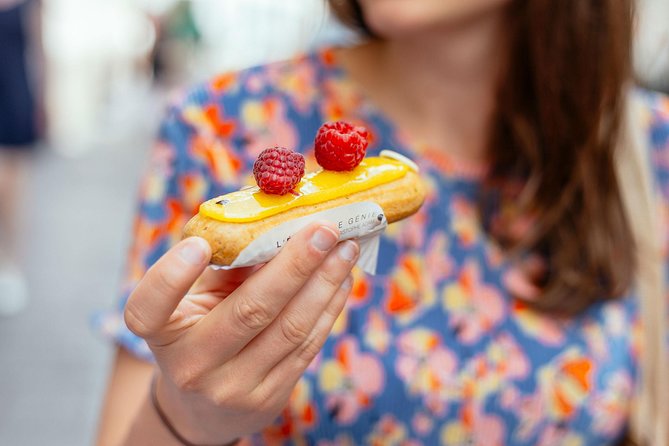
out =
column 505, row 312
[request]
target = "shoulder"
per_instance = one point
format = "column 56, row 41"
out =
column 217, row 127
column 236, row 95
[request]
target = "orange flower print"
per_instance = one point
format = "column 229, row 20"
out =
column 473, row 429
column 389, row 432
column 194, row 189
column 611, row 407
column 328, row 57
column 422, row 423
column 376, row 332
column 543, row 328
column 438, row 263
column 341, row 100
column 266, row 120
column 209, row 120
column 563, row 386
column 299, row 83
column 595, row 338
column 426, row 367
column 491, row 371
column 154, row 187
column 361, row 289
column 410, row 290
column 219, row 159
column 223, row 82
column 465, row 221
column 297, row 418
column 474, row 308
column 566, row 383
column 350, row 381
column 219, row 125
column 410, row 234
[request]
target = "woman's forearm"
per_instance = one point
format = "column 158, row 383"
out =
column 126, row 393
column 148, row 428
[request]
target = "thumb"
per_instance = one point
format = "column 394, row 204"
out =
column 158, row 294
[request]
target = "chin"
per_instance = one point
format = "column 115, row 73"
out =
column 397, row 18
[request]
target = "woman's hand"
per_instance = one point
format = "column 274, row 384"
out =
column 230, row 352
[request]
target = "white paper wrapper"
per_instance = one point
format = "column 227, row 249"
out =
column 362, row 221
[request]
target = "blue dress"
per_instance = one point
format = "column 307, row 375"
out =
column 433, row 350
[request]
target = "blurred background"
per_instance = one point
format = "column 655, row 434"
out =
column 102, row 71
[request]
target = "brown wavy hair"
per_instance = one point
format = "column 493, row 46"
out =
column 559, row 111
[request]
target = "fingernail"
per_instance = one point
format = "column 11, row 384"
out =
column 324, row 239
column 194, row 251
column 348, row 250
column 348, row 283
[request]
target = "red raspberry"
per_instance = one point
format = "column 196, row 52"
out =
column 278, row 170
column 340, row 145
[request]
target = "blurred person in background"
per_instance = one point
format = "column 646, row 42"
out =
column 20, row 125
column 524, row 304
column 177, row 35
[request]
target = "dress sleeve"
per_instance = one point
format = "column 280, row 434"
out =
column 160, row 217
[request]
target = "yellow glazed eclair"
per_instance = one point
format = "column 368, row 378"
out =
column 231, row 222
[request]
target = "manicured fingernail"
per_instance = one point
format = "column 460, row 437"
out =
column 324, row 239
column 194, row 251
column 348, row 283
column 348, row 250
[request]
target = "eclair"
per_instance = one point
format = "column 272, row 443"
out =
column 231, row 222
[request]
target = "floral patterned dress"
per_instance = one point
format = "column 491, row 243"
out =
column 432, row 350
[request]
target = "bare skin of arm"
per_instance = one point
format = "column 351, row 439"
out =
column 127, row 392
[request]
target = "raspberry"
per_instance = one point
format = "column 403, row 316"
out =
column 278, row 170
column 340, row 145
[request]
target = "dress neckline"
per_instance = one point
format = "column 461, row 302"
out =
column 434, row 157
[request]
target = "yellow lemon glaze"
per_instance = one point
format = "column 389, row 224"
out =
column 252, row 204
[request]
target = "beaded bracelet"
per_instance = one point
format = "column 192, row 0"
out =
column 166, row 421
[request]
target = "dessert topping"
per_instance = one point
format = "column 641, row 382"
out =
column 340, row 146
column 278, row 170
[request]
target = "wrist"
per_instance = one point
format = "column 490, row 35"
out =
column 147, row 428
column 182, row 424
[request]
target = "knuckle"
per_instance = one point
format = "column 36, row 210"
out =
column 134, row 321
column 188, row 380
column 223, row 397
column 309, row 349
column 229, row 397
column 301, row 267
column 292, row 331
column 252, row 314
column 329, row 279
column 261, row 402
